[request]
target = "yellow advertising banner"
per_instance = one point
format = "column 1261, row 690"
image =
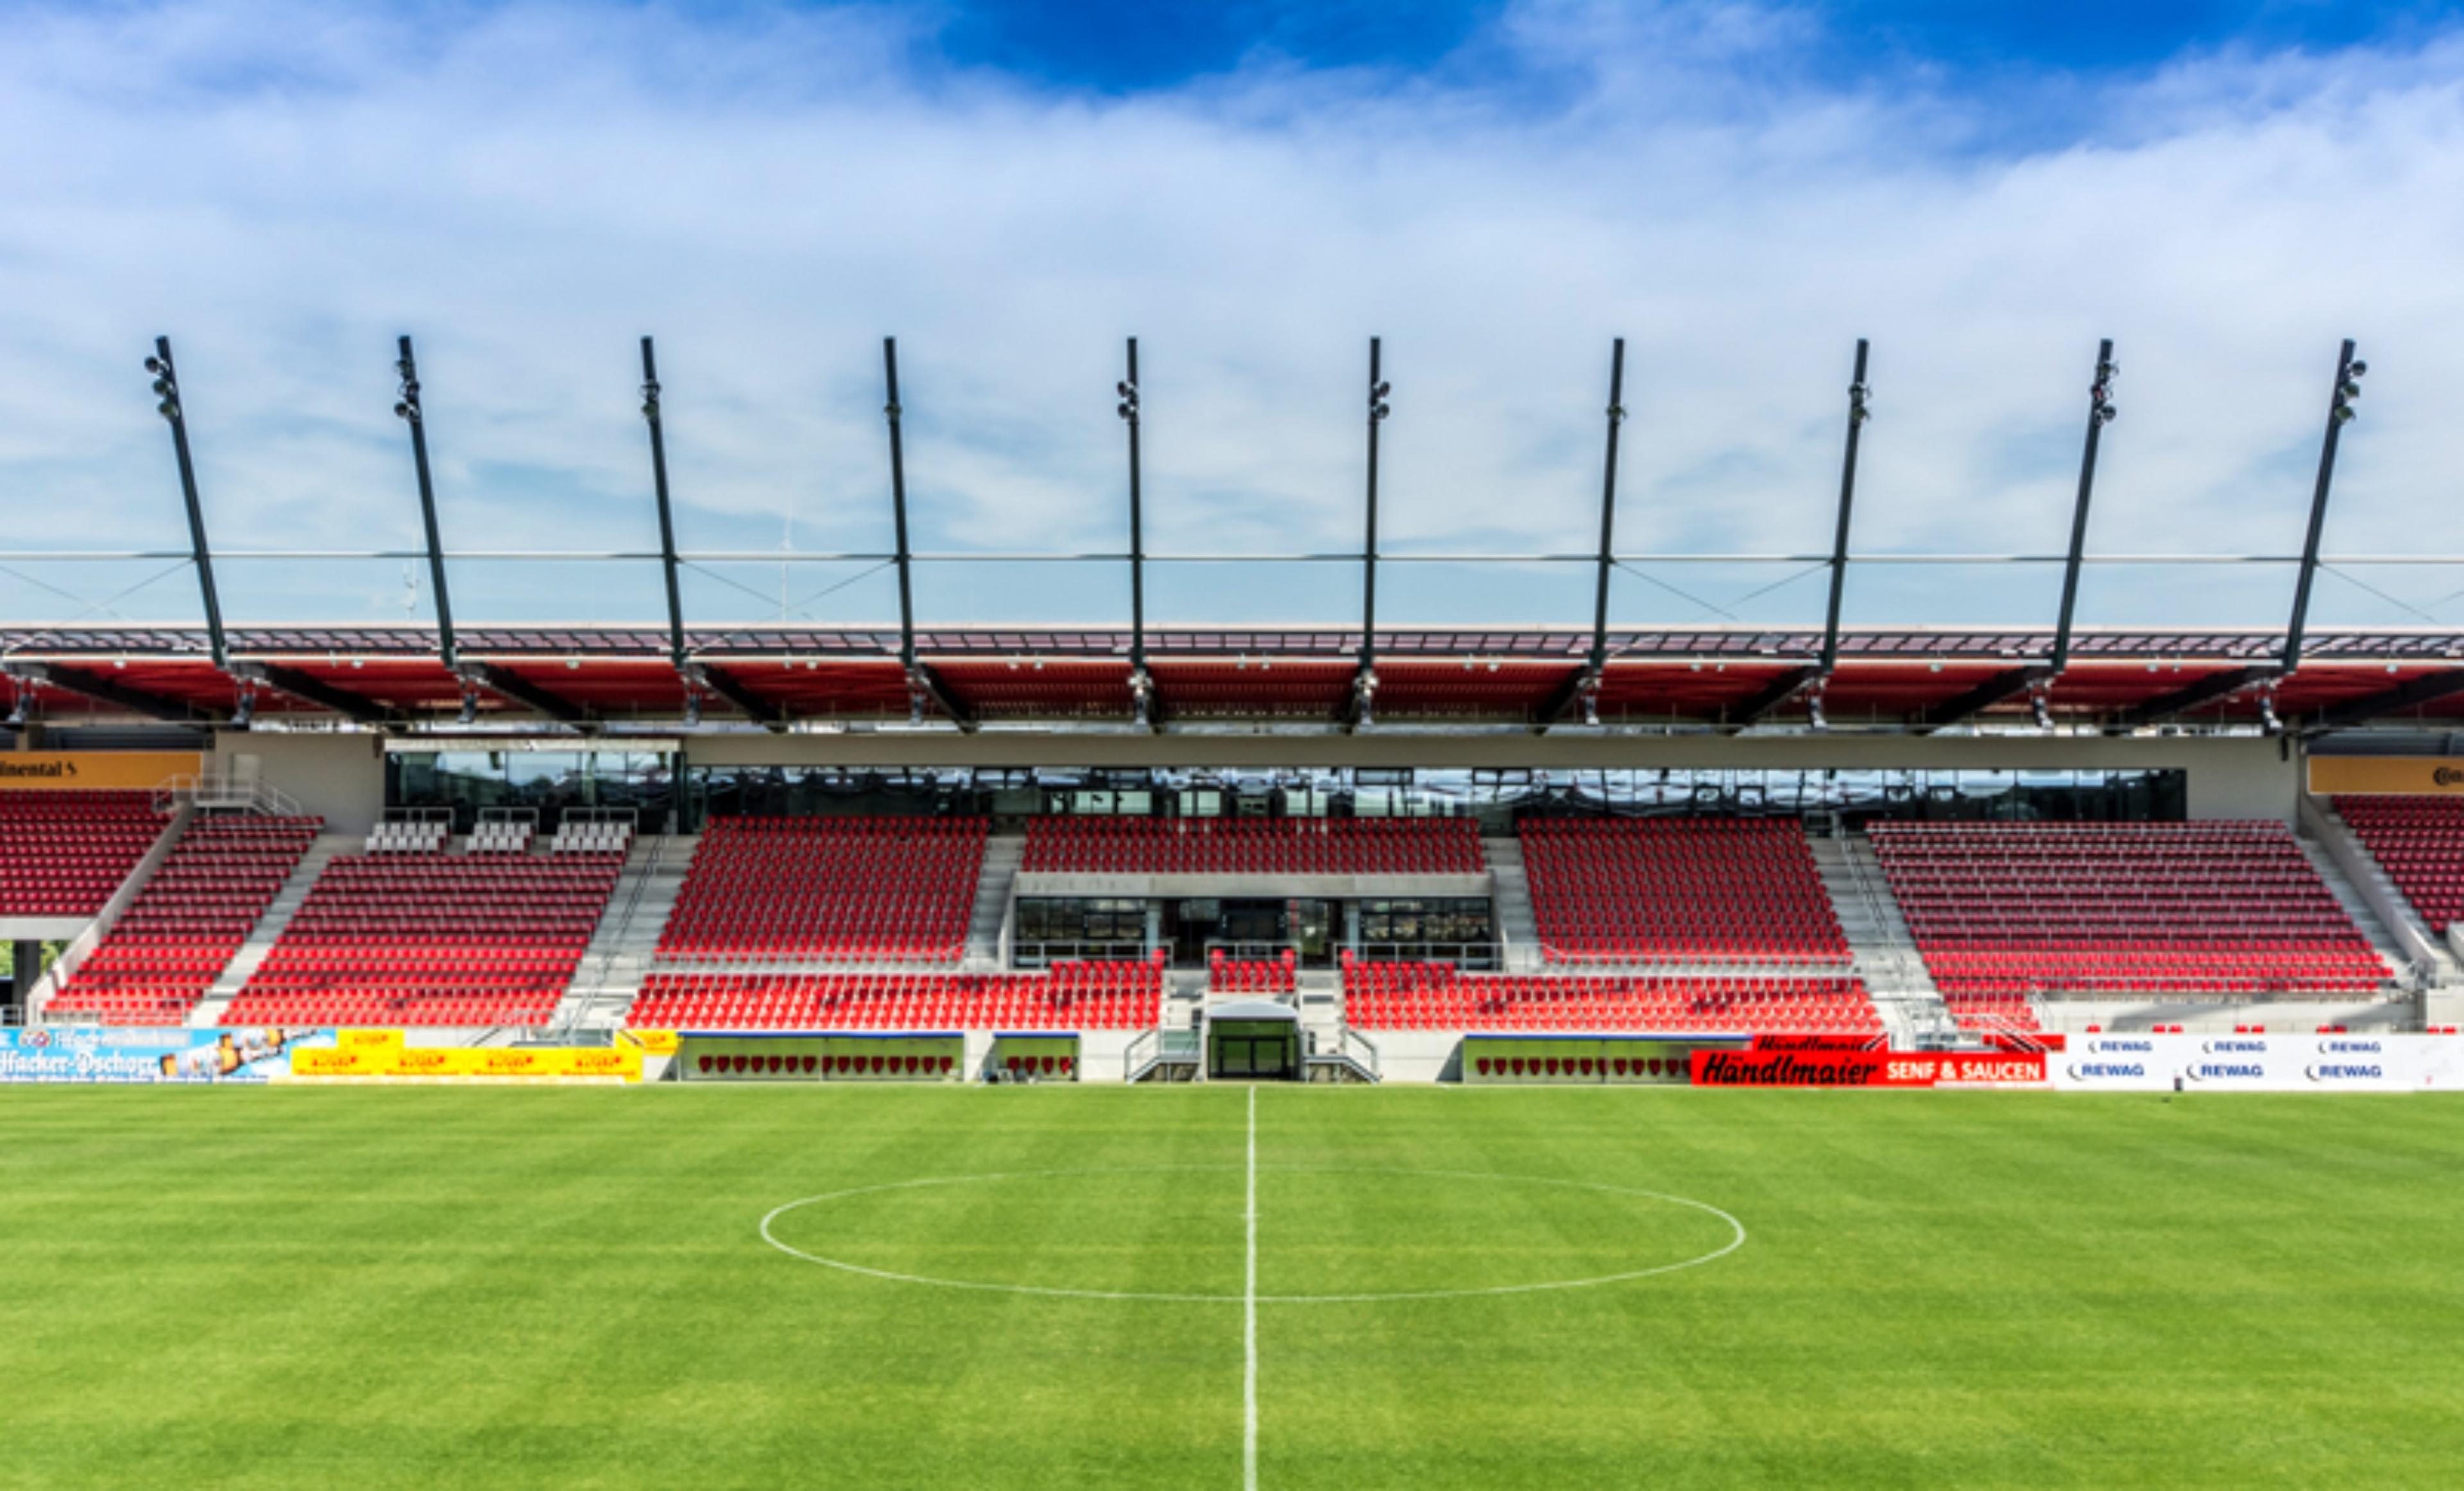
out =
column 468, row 1063
column 2418, row 777
column 325, row 1062
column 650, row 1043
column 368, row 1040
column 92, row 770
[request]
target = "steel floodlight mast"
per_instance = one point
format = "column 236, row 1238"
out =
column 1142, row 691
column 2349, row 373
column 1360, row 708
column 167, row 389
column 2036, row 680
column 923, row 684
column 1809, row 679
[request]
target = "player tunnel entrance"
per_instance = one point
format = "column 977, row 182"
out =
column 1253, row 1041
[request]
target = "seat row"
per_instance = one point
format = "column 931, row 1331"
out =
column 1067, row 996
column 2215, row 908
column 2419, row 841
column 190, row 920
column 64, row 854
column 1426, row 997
column 888, row 888
column 1679, row 889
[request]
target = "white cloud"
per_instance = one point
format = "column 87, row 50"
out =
column 283, row 187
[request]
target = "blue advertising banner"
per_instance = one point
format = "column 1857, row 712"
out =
column 152, row 1053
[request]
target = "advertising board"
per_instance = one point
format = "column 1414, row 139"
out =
column 2350, row 1062
column 152, row 1053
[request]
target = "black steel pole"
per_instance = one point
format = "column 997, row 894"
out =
column 652, row 414
column 1368, row 550
column 407, row 405
column 1856, row 416
column 2339, row 411
column 2100, row 413
column 1137, row 521
column 166, row 383
column 898, row 506
column 1608, row 511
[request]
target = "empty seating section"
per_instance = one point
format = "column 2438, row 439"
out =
column 1252, row 846
column 1434, row 996
column 2217, row 909
column 1679, row 890
column 1253, row 977
column 2419, row 841
column 404, row 939
column 180, row 931
column 419, row 836
column 1071, row 996
column 846, row 890
column 63, row 853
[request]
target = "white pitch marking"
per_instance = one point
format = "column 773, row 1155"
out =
column 1249, row 1319
column 1736, row 1241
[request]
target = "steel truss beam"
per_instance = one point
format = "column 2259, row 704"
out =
column 316, row 691
column 107, row 690
column 523, row 691
column 2001, row 687
column 2207, row 691
column 2400, row 699
column 728, row 687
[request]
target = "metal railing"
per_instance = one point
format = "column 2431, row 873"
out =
column 222, row 791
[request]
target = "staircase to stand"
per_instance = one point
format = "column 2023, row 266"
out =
column 627, row 941
column 990, row 918
column 2344, row 861
column 1518, row 925
column 262, row 937
column 1882, row 951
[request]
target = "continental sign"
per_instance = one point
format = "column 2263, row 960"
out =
column 92, row 770
column 468, row 1064
column 2417, row 776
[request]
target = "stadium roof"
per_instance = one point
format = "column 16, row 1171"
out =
column 1729, row 677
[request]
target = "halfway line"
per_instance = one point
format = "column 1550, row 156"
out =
column 1249, row 1319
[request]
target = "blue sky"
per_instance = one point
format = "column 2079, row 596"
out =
column 1740, row 189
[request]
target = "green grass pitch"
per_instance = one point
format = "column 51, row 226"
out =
column 383, row 1289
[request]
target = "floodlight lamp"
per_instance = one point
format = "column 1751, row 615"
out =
column 2343, row 413
column 2267, row 718
column 1814, row 715
column 245, row 710
column 167, row 409
column 1124, row 390
column 1380, row 390
column 2106, row 414
column 1616, row 413
column 162, row 387
column 1378, row 410
column 156, row 365
column 2107, row 370
column 2359, row 369
column 402, row 408
column 2040, row 706
column 2349, row 389
column 469, row 713
column 1126, row 410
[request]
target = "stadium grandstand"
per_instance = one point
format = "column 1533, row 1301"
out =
column 1383, row 842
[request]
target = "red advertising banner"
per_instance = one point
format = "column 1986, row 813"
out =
column 1830, row 1066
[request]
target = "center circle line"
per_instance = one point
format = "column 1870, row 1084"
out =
column 1736, row 1241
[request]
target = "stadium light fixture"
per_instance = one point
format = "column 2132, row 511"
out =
column 2042, row 708
column 2349, row 373
column 470, row 712
column 245, row 710
column 167, row 404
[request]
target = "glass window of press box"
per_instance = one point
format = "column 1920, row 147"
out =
column 548, row 782
column 1495, row 798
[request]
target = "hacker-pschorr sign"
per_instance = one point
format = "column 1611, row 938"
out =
column 2125, row 1062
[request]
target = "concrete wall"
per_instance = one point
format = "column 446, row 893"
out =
column 338, row 776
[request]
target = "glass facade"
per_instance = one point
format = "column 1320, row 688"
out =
column 548, row 782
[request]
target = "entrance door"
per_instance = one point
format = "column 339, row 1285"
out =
column 1253, row 1050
